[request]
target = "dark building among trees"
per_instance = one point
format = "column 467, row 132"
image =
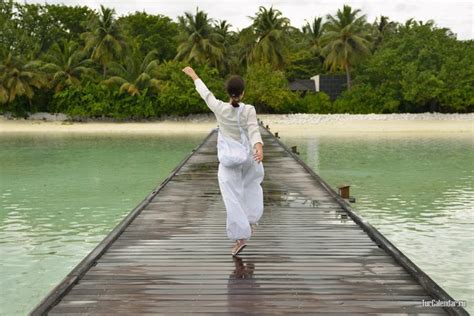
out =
column 332, row 85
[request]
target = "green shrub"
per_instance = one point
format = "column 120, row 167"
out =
column 318, row 102
column 364, row 99
column 94, row 100
column 420, row 68
column 267, row 89
column 178, row 95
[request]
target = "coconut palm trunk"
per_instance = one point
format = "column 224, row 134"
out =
column 348, row 76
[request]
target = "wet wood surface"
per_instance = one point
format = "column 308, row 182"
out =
column 306, row 257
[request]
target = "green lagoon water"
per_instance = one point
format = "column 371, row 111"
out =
column 60, row 195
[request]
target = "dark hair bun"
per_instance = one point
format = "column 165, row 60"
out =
column 235, row 87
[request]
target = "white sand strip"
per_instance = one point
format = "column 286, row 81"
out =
column 288, row 125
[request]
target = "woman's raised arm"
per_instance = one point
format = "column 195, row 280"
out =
column 202, row 89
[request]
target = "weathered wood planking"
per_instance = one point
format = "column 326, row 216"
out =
column 310, row 254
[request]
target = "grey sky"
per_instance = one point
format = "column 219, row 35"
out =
column 454, row 14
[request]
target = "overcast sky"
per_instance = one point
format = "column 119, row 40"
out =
column 454, row 14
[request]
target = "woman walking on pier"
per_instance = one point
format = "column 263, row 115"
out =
column 239, row 175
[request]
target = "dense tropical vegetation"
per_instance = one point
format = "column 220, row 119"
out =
column 89, row 63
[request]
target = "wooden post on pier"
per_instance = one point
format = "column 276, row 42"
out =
column 294, row 150
column 344, row 190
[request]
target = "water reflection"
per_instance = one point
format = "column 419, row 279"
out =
column 242, row 280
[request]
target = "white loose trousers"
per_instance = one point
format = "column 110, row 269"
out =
column 242, row 195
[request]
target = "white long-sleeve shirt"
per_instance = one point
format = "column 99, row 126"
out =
column 226, row 115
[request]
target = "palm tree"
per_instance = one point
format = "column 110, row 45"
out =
column 199, row 41
column 411, row 23
column 246, row 40
column 227, row 39
column 222, row 28
column 270, row 28
column 104, row 39
column 137, row 75
column 67, row 64
column 18, row 79
column 381, row 29
column 314, row 31
column 345, row 40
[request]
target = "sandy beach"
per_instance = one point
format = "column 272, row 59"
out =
column 295, row 125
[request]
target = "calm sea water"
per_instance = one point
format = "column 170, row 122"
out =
column 61, row 195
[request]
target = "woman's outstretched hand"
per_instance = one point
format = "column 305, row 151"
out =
column 190, row 72
column 258, row 155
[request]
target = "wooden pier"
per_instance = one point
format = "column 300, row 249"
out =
column 310, row 254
